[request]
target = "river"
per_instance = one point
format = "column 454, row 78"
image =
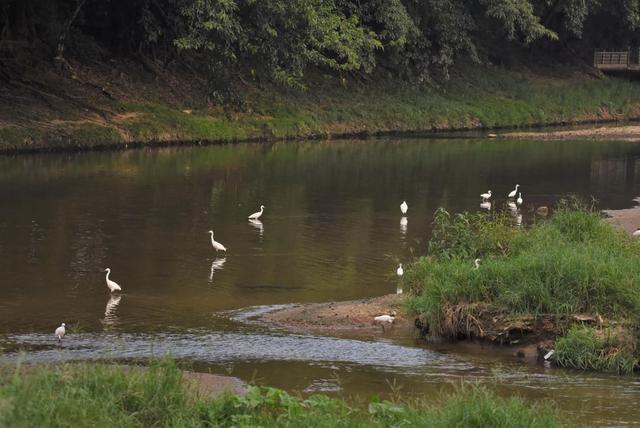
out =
column 331, row 230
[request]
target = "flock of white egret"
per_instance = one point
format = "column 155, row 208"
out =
column 254, row 218
column 114, row 287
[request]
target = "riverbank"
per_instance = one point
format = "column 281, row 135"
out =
column 568, row 284
column 101, row 395
column 617, row 133
column 125, row 104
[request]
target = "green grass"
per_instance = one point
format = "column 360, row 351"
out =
column 473, row 98
column 98, row 395
column 572, row 263
column 586, row 348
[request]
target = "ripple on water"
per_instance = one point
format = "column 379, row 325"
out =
column 221, row 347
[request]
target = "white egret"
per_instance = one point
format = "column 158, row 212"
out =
column 60, row 332
column 486, row 196
column 404, row 207
column 216, row 245
column 113, row 286
column 258, row 214
column 476, row 264
column 513, row 193
column 519, row 200
column 636, row 233
column 400, row 271
column 385, row 319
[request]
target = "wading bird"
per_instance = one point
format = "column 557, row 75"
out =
column 385, row 319
column 476, row 264
column 486, row 196
column 216, row 245
column 519, row 200
column 400, row 271
column 513, row 193
column 258, row 214
column 60, row 332
column 113, row 286
column 404, row 207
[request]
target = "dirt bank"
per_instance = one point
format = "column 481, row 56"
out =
column 620, row 133
column 214, row 385
column 627, row 219
column 350, row 317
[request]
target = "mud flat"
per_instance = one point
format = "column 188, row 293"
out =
column 349, row 317
column 619, row 133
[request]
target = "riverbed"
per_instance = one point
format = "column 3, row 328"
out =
column 331, row 231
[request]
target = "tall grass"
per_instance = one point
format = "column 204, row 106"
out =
column 572, row 263
column 586, row 348
column 88, row 395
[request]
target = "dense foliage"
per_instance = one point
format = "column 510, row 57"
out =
column 99, row 395
column 279, row 40
column 571, row 264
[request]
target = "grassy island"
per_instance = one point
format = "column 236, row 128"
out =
column 570, row 283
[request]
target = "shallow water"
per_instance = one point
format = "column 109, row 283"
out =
column 332, row 230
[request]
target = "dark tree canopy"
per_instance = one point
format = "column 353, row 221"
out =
column 281, row 40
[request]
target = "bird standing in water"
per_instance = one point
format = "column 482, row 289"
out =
column 113, row 286
column 60, row 332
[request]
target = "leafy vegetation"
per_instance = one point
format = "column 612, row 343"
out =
column 572, row 263
column 105, row 396
column 280, row 40
column 606, row 350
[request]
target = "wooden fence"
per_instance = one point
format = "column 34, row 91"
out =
column 617, row 60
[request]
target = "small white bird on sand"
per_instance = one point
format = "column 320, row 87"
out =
column 519, row 200
column 513, row 193
column 216, row 245
column 60, row 332
column 258, row 214
column 486, row 196
column 476, row 264
column 385, row 319
column 113, row 286
column 404, row 207
column 636, row 234
column 400, row 271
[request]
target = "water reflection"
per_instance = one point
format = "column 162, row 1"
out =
column 485, row 206
column 403, row 225
column 217, row 264
column 110, row 317
column 257, row 224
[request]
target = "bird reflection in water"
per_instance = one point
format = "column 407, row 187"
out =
column 258, row 225
column 217, row 264
column 403, row 225
column 110, row 316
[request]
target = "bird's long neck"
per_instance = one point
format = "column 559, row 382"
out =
column 107, row 277
column 212, row 240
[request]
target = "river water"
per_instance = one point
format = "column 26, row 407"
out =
column 331, row 230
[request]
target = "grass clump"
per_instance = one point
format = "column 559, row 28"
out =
column 99, row 395
column 572, row 263
column 586, row 348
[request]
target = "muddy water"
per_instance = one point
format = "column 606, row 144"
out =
column 332, row 230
